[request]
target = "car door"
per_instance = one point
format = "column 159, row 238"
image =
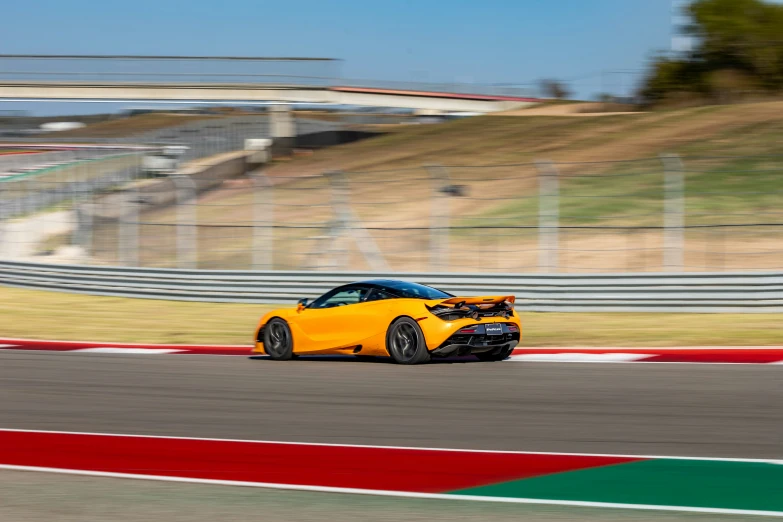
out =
column 338, row 319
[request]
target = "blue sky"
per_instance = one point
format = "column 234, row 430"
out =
column 489, row 41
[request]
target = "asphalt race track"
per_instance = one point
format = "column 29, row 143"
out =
column 666, row 409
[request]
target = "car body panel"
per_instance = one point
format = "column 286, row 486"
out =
column 361, row 328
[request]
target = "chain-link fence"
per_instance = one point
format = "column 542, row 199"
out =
column 660, row 214
column 657, row 214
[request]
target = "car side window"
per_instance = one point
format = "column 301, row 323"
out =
column 378, row 295
column 341, row 297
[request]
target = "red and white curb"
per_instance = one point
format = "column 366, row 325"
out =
column 122, row 348
column 695, row 355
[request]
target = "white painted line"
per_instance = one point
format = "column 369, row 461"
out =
column 404, row 494
column 7, row 345
column 580, row 357
column 110, row 349
column 371, row 446
column 777, row 362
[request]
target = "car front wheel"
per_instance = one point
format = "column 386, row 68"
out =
column 278, row 342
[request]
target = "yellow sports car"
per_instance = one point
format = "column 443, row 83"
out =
column 407, row 321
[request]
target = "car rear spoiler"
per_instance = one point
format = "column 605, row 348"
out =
column 480, row 300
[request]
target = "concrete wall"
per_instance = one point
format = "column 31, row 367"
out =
column 206, row 174
column 319, row 140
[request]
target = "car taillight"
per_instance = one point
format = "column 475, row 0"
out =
column 512, row 328
column 468, row 330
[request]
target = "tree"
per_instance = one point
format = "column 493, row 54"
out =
column 739, row 49
column 554, row 89
column 670, row 77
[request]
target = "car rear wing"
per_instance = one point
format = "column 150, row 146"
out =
column 474, row 307
column 480, row 300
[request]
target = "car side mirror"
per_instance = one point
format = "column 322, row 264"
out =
column 301, row 304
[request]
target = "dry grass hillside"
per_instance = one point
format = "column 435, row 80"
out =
column 123, row 127
column 731, row 129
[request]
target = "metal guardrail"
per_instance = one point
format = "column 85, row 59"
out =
column 639, row 292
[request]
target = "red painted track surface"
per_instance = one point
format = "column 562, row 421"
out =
column 389, row 469
column 727, row 355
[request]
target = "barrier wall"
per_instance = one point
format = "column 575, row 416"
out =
column 686, row 292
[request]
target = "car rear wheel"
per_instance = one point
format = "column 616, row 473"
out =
column 278, row 343
column 405, row 342
column 490, row 356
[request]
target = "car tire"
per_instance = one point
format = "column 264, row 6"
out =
column 405, row 342
column 278, row 342
column 491, row 357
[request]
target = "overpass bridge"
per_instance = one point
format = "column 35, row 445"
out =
column 194, row 79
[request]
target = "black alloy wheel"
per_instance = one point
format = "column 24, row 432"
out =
column 405, row 342
column 278, row 343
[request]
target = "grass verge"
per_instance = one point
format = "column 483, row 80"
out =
column 53, row 315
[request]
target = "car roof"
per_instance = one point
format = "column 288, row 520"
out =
column 389, row 285
column 379, row 283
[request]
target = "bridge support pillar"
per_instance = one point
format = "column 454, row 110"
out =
column 282, row 128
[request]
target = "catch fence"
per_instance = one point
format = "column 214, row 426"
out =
column 666, row 213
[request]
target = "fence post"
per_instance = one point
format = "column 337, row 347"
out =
column 6, row 212
column 548, row 216
column 673, row 213
column 187, row 245
column 128, row 222
column 263, row 222
column 84, row 208
column 31, row 199
column 439, row 218
column 339, row 189
column 349, row 224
